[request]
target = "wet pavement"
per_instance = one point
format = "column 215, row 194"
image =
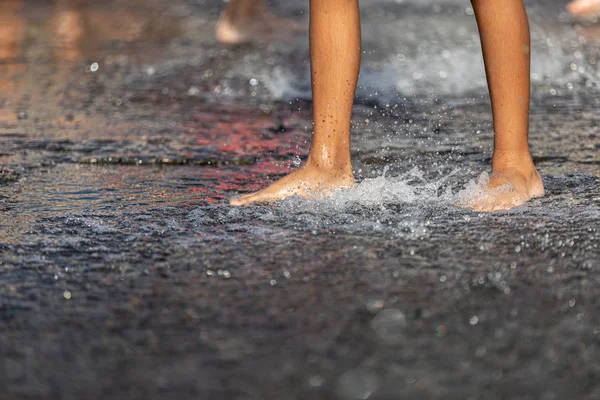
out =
column 125, row 274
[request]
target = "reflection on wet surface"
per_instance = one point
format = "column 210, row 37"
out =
column 124, row 128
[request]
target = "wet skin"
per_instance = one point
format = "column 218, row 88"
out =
column 513, row 182
column 335, row 61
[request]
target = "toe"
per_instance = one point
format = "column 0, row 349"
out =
column 243, row 199
column 262, row 196
column 507, row 203
column 483, row 206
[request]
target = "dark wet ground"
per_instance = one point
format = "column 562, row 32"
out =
column 124, row 274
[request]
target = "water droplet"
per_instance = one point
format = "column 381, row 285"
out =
column 67, row 295
column 481, row 351
column 253, row 81
column 193, row 91
column 389, row 325
column 94, row 67
column 441, row 330
column 474, row 320
column 316, row 381
column 357, row 384
column 375, row 305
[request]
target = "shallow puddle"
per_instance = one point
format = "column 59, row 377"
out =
column 125, row 129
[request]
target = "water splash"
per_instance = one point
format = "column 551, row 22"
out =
column 375, row 193
column 475, row 190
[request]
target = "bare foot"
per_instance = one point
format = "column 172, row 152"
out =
column 308, row 182
column 584, row 7
column 255, row 25
column 513, row 182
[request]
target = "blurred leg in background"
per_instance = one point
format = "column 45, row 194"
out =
column 246, row 21
column 12, row 28
column 12, row 35
column 68, row 30
column 584, row 7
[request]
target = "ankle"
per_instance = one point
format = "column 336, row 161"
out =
column 511, row 159
column 329, row 166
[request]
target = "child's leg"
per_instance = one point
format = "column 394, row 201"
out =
column 584, row 7
column 505, row 40
column 68, row 30
column 12, row 29
column 250, row 20
column 335, row 61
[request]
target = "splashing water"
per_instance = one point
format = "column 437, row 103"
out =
column 477, row 190
column 371, row 193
